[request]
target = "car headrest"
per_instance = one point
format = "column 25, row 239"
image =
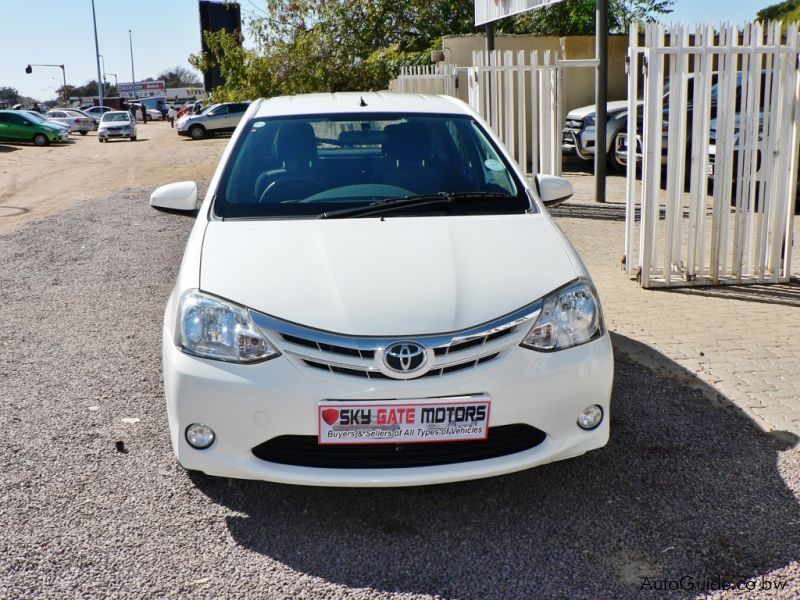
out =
column 407, row 142
column 296, row 143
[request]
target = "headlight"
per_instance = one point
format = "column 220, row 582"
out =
column 589, row 120
column 210, row 327
column 570, row 317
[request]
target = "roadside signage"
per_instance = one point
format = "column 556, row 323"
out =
column 144, row 89
column 487, row 11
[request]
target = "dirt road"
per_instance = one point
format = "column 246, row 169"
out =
column 36, row 182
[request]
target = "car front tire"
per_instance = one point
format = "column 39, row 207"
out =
column 40, row 139
column 83, row 132
column 197, row 132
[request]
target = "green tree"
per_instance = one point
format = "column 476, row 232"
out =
column 784, row 11
column 577, row 17
column 179, row 76
column 339, row 45
column 9, row 93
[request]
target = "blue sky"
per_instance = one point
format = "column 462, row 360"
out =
column 165, row 32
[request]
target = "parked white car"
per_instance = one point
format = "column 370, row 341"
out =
column 116, row 124
column 374, row 295
column 77, row 122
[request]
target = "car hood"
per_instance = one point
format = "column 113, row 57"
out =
column 398, row 276
column 611, row 108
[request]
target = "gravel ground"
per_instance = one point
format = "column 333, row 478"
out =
column 684, row 488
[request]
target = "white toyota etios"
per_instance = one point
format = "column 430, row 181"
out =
column 374, row 295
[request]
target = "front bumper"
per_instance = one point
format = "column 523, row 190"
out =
column 579, row 142
column 110, row 133
column 247, row 405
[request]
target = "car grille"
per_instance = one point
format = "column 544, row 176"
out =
column 304, row 451
column 361, row 356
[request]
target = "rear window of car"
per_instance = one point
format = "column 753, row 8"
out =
column 304, row 166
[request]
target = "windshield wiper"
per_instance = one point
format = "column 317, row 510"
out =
column 391, row 204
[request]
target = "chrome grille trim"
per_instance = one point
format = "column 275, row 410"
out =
column 361, row 354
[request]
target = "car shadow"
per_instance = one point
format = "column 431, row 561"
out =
column 785, row 294
column 686, row 487
column 6, row 148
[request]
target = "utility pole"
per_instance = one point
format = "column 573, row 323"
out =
column 601, row 100
column 97, row 57
column 133, row 76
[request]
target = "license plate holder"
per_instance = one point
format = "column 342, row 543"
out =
column 458, row 418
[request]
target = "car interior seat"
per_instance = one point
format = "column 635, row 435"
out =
column 410, row 162
column 296, row 152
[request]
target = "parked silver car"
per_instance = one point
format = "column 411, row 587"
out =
column 217, row 118
column 579, row 133
column 116, row 124
column 78, row 122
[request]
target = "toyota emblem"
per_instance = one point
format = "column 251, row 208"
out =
column 405, row 359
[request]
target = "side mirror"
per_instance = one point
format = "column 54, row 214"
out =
column 175, row 196
column 553, row 190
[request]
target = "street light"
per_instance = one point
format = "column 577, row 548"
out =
column 116, row 81
column 133, row 76
column 103, row 67
column 29, row 70
column 97, row 52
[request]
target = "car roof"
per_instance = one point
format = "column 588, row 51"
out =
column 116, row 112
column 351, row 102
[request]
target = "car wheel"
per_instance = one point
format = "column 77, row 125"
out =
column 40, row 139
column 101, row 140
column 133, row 138
column 83, row 132
column 197, row 132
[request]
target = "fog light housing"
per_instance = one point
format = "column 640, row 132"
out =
column 590, row 417
column 200, row 436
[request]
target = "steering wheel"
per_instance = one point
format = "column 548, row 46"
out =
column 290, row 188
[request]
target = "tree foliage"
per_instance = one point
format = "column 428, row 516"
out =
column 338, row 45
column 178, row 76
column 9, row 93
column 577, row 17
column 783, row 11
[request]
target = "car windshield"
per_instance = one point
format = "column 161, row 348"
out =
column 208, row 108
column 310, row 165
column 116, row 116
column 35, row 117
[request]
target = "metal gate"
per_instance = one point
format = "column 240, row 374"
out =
column 521, row 100
column 716, row 138
column 517, row 93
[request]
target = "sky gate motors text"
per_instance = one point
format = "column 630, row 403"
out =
column 412, row 415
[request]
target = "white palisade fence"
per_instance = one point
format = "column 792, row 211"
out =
column 519, row 95
column 726, row 137
column 427, row 79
